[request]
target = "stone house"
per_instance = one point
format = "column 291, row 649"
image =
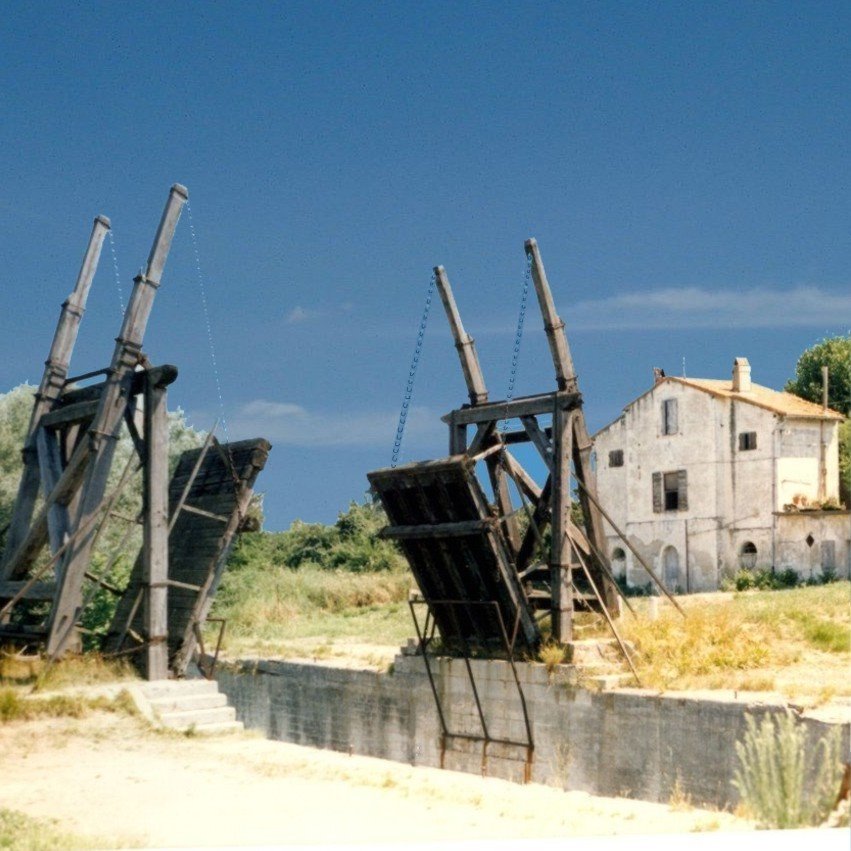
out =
column 707, row 476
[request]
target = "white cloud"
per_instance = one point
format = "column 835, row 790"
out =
column 694, row 307
column 289, row 424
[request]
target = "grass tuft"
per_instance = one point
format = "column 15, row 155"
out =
column 778, row 786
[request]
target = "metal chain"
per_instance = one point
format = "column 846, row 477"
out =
column 115, row 270
column 518, row 336
column 203, row 290
column 412, row 373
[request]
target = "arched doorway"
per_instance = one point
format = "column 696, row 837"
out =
column 671, row 567
column 747, row 556
column 618, row 562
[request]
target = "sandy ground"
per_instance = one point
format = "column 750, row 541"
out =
column 109, row 776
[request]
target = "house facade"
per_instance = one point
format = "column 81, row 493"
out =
column 706, row 477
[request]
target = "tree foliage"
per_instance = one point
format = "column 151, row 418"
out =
column 116, row 551
column 352, row 543
column 835, row 354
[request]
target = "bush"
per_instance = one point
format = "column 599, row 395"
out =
column 351, row 544
column 779, row 787
column 762, row 580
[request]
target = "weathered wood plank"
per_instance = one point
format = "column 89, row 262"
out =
column 542, row 403
column 155, row 533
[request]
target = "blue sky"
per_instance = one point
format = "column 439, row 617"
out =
column 684, row 167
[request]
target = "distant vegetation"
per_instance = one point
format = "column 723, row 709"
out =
column 835, row 354
column 113, row 559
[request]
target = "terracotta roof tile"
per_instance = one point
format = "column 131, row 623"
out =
column 763, row 397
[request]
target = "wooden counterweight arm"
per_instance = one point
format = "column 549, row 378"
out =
column 463, row 341
column 554, row 327
column 104, row 431
column 51, row 386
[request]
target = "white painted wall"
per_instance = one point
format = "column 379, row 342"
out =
column 733, row 494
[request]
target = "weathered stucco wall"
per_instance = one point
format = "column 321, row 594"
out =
column 733, row 494
column 622, row 742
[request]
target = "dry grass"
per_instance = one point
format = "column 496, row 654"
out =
column 88, row 669
column 271, row 611
column 755, row 641
column 15, row 706
column 25, row 833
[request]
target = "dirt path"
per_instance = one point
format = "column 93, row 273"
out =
column 109, row 776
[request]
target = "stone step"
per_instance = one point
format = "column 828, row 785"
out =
column 170, row 688
column 220, row 728
column 188, row 702
column 197, row 718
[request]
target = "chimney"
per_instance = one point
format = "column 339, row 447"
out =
column 741, row 376
column 658, row 375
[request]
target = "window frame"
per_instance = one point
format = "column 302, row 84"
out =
column 747, row 441
column 616, row 458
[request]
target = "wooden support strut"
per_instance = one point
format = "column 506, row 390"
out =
column 155, row 532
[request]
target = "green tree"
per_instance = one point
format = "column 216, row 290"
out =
column 835, row 354
column 116, row 551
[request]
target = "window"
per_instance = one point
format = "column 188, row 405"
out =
column 747, row 440
column 669, row 416
column 670, row 482
column 616, row 458
column 670, row 491
column 618, row 562
column 747, row 556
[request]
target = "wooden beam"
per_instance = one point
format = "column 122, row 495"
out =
column 632, row 549
column 561, row 577
column 542, row 403
column 50, row 468
column 155, row 533
column 521, row 478
column 539, row 439
column 458, row 529
column 553, row 326
column 40, row 591
column 161, row 375
column 104, row 431
column 464, row 343
column 66, row 414
column 52, row 384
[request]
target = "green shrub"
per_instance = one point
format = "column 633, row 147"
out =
column 778, row 785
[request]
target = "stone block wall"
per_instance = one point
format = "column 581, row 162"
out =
column 630, row 742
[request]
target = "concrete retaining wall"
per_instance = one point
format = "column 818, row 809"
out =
column 629, row 742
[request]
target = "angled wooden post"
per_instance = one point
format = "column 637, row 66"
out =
column 582, row 445
column 51, row 386
column 554, row 327
column 155, row 530
column 464, row 343
column 478, row 393
column 103, row 434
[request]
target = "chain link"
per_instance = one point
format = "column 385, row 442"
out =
column 209, row 326
column 518, row 336
column 115, row 270
column 412, row 373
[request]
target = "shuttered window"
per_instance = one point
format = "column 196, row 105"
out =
column 670, row 491
column 669, row 416
column 616, row 458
